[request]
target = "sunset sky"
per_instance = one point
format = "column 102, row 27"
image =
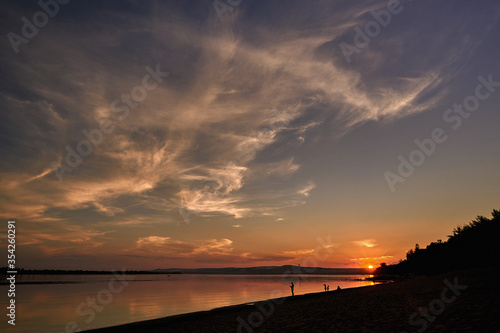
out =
column 161, row 134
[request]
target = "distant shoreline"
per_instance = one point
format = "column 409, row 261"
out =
column 260, row 270
column 97, row 273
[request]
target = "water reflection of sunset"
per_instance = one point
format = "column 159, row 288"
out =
column 157, row 296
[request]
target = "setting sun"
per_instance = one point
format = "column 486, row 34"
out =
column 370, row 266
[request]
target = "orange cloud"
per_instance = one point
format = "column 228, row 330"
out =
column 169, row 246
column 372, row 258
column 300, row 252
column 366, row 243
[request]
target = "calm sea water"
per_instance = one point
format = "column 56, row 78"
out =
column 91, row 301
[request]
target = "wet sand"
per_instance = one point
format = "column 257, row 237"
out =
column 380, row 308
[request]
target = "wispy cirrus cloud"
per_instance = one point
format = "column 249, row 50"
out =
column 209, row 133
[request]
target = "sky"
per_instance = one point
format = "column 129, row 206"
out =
column 183, row 134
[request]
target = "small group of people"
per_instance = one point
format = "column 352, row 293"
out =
column 327, row 288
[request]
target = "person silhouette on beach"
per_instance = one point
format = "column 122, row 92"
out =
column 291, row 287
column 325, row 286
column 338, row 287
column 328, row 288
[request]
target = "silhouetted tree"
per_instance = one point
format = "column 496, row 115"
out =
column 469, row 246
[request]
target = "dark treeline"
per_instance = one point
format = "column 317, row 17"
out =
column 470, row 246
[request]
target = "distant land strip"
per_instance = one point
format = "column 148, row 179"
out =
column 261, row 270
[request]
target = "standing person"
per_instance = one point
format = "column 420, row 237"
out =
column 291, row 287
column 325, row 286
column 328, row 288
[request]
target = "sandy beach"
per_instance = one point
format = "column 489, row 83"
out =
column 462, row 301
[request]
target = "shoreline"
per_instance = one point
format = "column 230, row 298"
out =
column 379, row 308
